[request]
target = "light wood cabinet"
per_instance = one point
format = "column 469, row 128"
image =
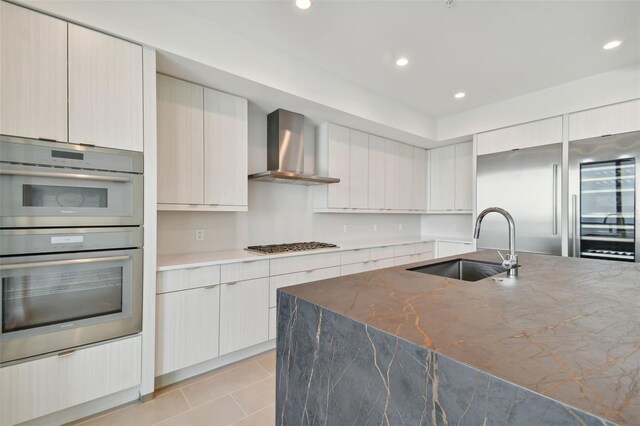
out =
column 33, row 74
column 392, row 176
column 105, row 90
column 358, row 170
column 244, row 314
column 376, row 171
column 536, row 133
column 278, row 281
column 463, row 176
column 405, row 177
column 186, row 278
column 337, row 147
column 202, row 148
column 187, row 327
column 442, row 178
column 451, row 248
column 37, row 388
column 450, row 178
column 608, row 120
column 225, row 149
column 419, row 201
column 180, row 141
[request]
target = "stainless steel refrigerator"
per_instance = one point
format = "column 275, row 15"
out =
column 526, row 183
column 603, row 200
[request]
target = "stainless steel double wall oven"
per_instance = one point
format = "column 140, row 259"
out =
column 70, row 245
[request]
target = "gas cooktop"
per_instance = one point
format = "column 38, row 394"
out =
column 290, row 247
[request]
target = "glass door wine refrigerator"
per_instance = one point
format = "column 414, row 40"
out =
column 603, row 176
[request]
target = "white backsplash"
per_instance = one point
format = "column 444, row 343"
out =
column 447, row 225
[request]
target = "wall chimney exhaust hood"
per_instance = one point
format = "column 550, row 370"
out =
column 285, row 151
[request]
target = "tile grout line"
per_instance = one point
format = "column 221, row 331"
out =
column 239, row 405
column 185, row 398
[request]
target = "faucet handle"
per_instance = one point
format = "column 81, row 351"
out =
column 500, row 254
column 507, row 263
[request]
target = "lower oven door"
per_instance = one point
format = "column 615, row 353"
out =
column 56, row 302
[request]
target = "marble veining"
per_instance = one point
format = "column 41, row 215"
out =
column 565, row 335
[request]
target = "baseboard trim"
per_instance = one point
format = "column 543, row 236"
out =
column 221, row 361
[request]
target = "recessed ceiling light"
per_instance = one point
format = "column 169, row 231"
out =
column 401, row 62
column 303, row 4
column 459, row 95
column 612, row 44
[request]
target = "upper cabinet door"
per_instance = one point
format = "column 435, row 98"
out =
column 105, row 90
column 608, row 120
column 338, row 155
column 180, row 141
column 464, row 176
column 405, row 177
column 359, row 170
column 535, row 133
column 225, row 148
column 377, row 153
column 33, row 74
column 419, row 179
column 392, row 176
column 442, row 178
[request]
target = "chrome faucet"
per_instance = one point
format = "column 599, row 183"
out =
column 511, row 262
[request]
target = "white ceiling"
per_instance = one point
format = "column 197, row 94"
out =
column 492, row 50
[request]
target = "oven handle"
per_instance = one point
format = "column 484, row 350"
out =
column 62, row 262
column 63, row 175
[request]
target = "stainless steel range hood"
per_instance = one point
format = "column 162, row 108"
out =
column 285, row 151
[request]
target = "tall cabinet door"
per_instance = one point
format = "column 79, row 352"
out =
column 187, row 326
column 463, row 179
column 33, row 74
column 405, row 177
column 358, row 170
column 338, row 155
column 105, row 90
column 377, row 149
column 225, row 148
column 180, row 142
column 392, row 176
column 442, row 178
column 244, row 314
column 419, row 179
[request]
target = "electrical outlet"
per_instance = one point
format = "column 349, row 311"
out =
column 345, row 229
column 399, row 227
column 375, row 227
column 199, row 234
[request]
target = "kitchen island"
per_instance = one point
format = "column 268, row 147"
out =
column 559, row 344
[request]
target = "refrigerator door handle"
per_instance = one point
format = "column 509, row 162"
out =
column 574, row 203
column 555, row 199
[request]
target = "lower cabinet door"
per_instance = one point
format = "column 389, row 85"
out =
column 244, row 314
column 36, row 388
column 187, row 324
column 273, row 322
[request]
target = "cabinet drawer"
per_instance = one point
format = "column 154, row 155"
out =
column 403, row 250
column 187, row 325
column 182, row 279
column 403, row 260
column 422, row 256
column 40, row 387
column 275, row 282
column 354, row 268
column 448, row 248
column 423, row 248
column 381, row 263
column 244, row 314
column 273, row 322
column 378, row 253
column 354, row 256
column 287, row 265
column 244, row 271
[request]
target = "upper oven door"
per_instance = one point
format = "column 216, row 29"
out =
column 34, row 196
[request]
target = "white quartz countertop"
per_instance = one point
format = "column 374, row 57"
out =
column 191, row 260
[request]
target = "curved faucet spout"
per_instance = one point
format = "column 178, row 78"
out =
column 512, row 262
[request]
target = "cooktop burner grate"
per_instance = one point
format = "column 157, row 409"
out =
column 290, row 247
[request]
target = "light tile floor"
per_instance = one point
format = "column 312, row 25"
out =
column 238, row 394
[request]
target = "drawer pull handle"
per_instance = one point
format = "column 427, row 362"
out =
column 66, row 353
column 308, row 271
column 232, row 283
column 208, row 287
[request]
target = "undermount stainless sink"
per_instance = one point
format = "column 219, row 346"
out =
column 462, row 269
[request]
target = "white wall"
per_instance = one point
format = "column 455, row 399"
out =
column 277, row 213
column 447, row 225
column 602, row 89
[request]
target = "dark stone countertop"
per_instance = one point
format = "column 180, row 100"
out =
column 565, row 328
